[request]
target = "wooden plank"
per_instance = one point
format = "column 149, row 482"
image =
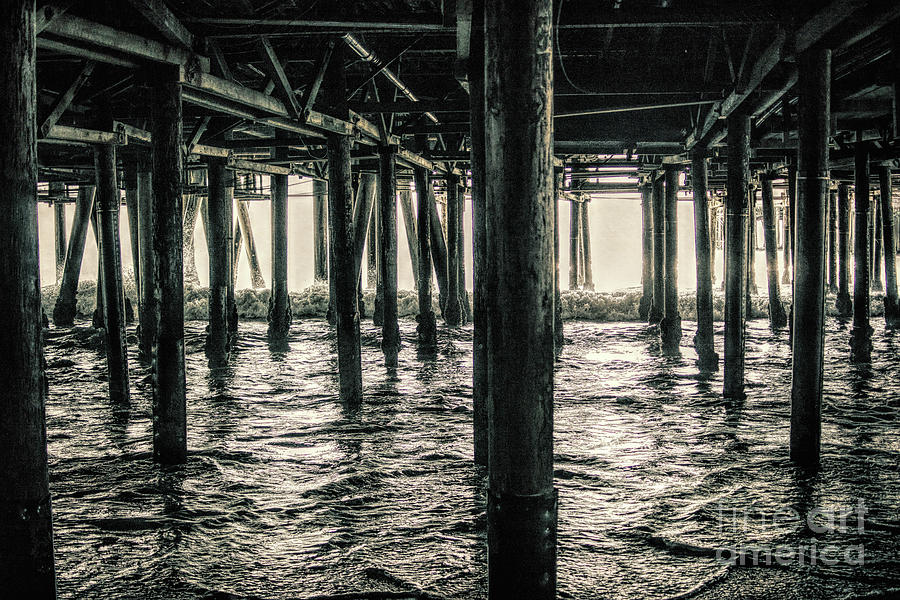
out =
column 84, row 136
column 85, row 31
column 165, row 22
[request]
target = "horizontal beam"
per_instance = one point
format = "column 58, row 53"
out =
column 88, row 32
column 78, row 135
column 159, row 15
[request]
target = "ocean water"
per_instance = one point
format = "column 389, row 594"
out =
column 287, row 494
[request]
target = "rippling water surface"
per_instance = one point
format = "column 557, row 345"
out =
column 287, row 494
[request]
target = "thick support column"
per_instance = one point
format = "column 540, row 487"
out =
column 219, row 262
column 521, row 497
column 387, row 186
column 108, row 203
column 792, row 207
column 657, row 308
column 65, row 308
column 378, row 311
column 670, row 326
column 844, row 304
column 438, row 251
column 777, row 316
column 480, row 262
column 861, row 333
column 891, row 308
column 751, row 248
column 877, row 263
column 57, row 190
column 832, row 241
column 735, row 252
column 574, row 245
column 558, row 337
column 279, row 316
column 409, row 223
column 256, row 277
column 366, row 193
column 707, row 358
column 147, row 305
column 340, row 238
column 453, row 310
column 587, row 270
column 169, row 420
column 320, row 231
column 646, row 250
column 191, row 211
column 427, row 327
column 26, row 536
column 713, row 241
column 97, row 317
column 808, row 341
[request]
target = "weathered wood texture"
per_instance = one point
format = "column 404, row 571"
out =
column 861, row 332
column 735, row 252
column 891, row 308
column 26, row 547
column 453, row 310
column 387, row 186
column 703, row 340
column 670, row 326
column 279, row 316
column 320, row 230
column 646, row 251
column 219, row 250
column 65, row 308
column 777, row 315
column 844, row 303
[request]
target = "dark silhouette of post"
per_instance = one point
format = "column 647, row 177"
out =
column 453, row 310
column 777, row 316
column 808, row 341
column 320, row 230
column 26, row 535
column 279, row 316
column 387, row 186
column 65, row 308
column 427, row 327
column 707, row 358
column 169, row 389
column 843, row 302
column 646, row 251
column 735, row 252
column 521, row 519
column 217, row 341
column 657, row 308
column 877, row 263
column 587, row 270
column 832, row 241
column 861, row 332
column 891, row 308
column 57, row 191
column 574, row 245
column 108, row 203
column 670, row 326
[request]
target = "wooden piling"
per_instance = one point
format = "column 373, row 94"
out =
column 366, row 194
column 657, row 308
column 558, row 337
column 378, row 311
column 320, row 231
column 891, row 307
column 390, row 329
column 786, row 247
column 713, row 241
column 409, row 224
column 735, row 250
column 438, row 251
column 574, row 245
column 585, row 233
column 256, row 277
column 777, row 315
column 877, row 263
column 279, row 315
column 521, row 497
column 480, row 262
column 752, row 289
column 26, row 536
column 426, row 329
column 148, row 302
column 219, row 250
column 57, row 191
column 646, row 251
column 169, row 400
column 861, row 332
column 808, row 340
column 452, row 311
column 464, row 308
column 191, row 211
column 231, row 231
column 129, row 170
column 707, row 358
column 108, row 202
column 340, row 239
column 670, row 326
column 372, row 248
column 843, row 303
column 792, row 203
column 65, row 308
column 832, row 240
column 97, row 316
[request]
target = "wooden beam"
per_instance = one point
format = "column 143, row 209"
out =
column 165, row 22
column 276, row 73
column 83, row 136
column 65, row 99
column 47, row 14
column 317, row 80
column 88, row 32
